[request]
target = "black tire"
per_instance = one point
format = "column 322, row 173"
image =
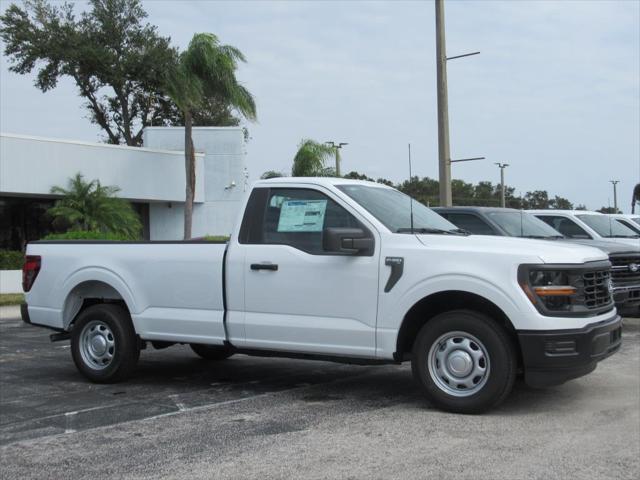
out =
column 494, row 385
column 113, row 323
column 211, row 352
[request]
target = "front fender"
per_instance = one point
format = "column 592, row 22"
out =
column 393, row 311
column 466, row 283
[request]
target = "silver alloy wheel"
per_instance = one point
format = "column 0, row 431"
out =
column 458, row 364
column 97, row 345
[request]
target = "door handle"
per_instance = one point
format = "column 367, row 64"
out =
column 264, row 266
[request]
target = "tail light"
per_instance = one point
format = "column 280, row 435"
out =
column 30, row 271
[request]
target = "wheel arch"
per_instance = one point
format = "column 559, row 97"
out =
column 436, row 303
column 86, row 292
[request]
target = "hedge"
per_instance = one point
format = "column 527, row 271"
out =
column 83, row 235
column 11, row 260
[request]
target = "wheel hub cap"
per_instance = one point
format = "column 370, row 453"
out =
column 97, row 345
column 458, row 363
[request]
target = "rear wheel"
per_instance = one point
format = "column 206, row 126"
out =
column 464, row 361
column 104, row 346
column 211, row 352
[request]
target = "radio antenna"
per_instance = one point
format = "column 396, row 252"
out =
column 410, row 197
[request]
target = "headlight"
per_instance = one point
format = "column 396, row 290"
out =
column 568, row 290
column 552, row 291
column 551, row 287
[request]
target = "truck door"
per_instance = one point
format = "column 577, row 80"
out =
column 297, row 296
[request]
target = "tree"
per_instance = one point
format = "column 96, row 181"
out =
column 608, row 210
column 560, row 203
column 205, row 72
column 538, row 199
column 310, row 159
column 92, row 207
column 114, row 58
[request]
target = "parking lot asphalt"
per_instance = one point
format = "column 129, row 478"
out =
column 182, row 417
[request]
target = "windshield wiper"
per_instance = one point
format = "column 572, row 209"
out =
column 429, row 230
column 622, row 236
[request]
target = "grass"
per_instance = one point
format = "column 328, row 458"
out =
column 11, row 299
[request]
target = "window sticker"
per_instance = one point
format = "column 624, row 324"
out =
column 302, row 216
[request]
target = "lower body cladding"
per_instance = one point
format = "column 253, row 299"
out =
column 553, row 357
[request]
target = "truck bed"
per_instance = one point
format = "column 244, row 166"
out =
column 178, row 285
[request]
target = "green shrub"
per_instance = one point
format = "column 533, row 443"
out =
column 216, row 238
column 83, row 235
column 11, row 260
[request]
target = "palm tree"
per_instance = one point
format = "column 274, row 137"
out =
column 205, row 72
column 636, row 198
column 310, row 160
column 90, row 206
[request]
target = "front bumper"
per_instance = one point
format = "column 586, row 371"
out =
column 551, row 357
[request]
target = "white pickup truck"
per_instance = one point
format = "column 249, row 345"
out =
column 341, row 270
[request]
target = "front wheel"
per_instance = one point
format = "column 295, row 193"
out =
column 464, row 361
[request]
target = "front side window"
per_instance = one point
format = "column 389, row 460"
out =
column 296, row 217
column 565, row 226
column 607, row 227
column 520, row 224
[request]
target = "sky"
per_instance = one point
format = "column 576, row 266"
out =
column 555, row 91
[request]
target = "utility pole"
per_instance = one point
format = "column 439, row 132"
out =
column 443, row 109
column 444, row 154
column 615, row 194
column 337, row 147
column 502, row 166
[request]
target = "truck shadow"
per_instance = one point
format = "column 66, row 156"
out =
column 317, row 382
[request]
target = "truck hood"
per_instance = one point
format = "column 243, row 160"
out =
column 547, row 251
column 604, row 245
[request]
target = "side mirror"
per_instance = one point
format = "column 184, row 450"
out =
column 347, row 241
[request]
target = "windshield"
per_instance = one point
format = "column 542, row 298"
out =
column 393, row 209
column 607, row 226
column 629, row 224
column 518, row 224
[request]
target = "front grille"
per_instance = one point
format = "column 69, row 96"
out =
column 622, row 270
column 596, row 288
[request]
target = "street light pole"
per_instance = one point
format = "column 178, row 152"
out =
column 615, row 194
column 502, row 166
column 337, row 147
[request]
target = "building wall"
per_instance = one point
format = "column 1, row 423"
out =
column 223, row 180
column 32, row 165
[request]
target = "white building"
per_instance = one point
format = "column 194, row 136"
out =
column 152, row 178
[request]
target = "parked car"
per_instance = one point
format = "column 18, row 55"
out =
column 625, row 259
column 342, row 270
column 588, row 225
column 630, row 221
